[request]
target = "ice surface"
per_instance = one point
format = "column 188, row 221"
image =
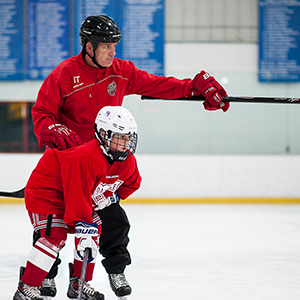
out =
column 205, row 252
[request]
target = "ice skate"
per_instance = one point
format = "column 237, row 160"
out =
column 26, row 292
column 48, row 288
column 88, row 293
column 119, row 285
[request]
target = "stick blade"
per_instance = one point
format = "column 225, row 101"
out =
column 15, row 194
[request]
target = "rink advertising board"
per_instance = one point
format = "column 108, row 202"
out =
column 279, row 40
column 36, row 35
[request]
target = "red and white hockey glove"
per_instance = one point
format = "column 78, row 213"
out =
column 86, row 237
column 205, row 84
column 59, row 136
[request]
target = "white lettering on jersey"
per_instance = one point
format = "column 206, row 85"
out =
column 76, row 82
column 206, row 76
column 98, row 195
column 76, row 79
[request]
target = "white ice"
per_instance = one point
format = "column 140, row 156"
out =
column 205, row 252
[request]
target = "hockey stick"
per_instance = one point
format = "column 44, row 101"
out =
column 15, row 194
column 283, row 100
column 237, row 99
column 82, row 276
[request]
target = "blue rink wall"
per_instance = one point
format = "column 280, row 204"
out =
column 190, row 178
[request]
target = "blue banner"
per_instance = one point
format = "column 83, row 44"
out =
column 52, row 34
column 85, row 8
column 279, row 40
column 48, row 36
column 142, row 42
column 142, row 26
column 11, row 40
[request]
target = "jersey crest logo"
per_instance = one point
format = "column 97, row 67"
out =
column 98, row 195
column 112, row 88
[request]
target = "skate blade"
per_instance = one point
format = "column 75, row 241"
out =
column 122, row 298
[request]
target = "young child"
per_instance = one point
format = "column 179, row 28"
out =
column 64, row 191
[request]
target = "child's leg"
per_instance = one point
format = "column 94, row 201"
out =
column 43, row 255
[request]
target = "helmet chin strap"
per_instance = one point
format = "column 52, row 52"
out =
column 113, row 156
column 94, row 60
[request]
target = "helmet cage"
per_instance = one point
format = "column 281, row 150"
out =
column 116, row 130
column 109, row 148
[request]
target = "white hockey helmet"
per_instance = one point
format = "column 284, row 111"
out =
column 116, row 130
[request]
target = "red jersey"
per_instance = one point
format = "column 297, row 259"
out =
column 71, row 181
column 73, row 93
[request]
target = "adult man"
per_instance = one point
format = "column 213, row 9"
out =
column 73, row 93
column 69, row 186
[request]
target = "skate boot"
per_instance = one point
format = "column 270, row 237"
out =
column 119, row 284
column 48, row 287
column 26, row 292
column 88, row 293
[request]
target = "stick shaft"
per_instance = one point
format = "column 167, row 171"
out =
column 237, row 99
column 82, row 276
column 20, row 193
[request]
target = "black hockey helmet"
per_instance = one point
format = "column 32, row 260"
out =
column 99, row 29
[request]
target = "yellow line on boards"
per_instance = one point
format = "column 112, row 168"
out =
column 7, row 200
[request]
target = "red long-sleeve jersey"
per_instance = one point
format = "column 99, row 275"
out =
column 71, row 181
column 73, row 93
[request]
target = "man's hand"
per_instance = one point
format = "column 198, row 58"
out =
column 205, row 84
column 59, row 136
